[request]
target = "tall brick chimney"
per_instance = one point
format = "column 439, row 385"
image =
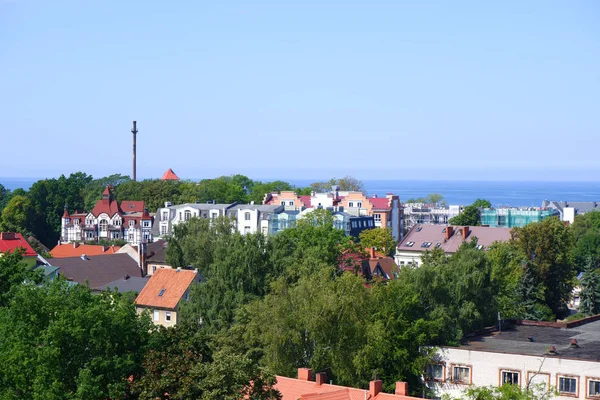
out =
column 449, row 232
column 401, row 389
column 372, row 252
column 465, row 232
column 304, row 374
column 375, row 387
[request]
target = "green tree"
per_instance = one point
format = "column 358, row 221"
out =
column 13, row 272
column 507, row 261
column 508, row 392
column 181, row 364
column 590, row 291
column 63, row 342
column 4, row 197
column 381, row 239
column 547, row 246
column 482, row 203
column 347, row 183
column 470, row 216
column 18, row 215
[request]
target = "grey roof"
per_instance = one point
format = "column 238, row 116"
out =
column 98, row 270
column 436, row 236
column 580, row 206
column 264, row 208
column 126, row 284
column 157, row 252
column 202, row 206
column 515, row 341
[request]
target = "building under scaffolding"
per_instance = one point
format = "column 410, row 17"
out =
column 427, row 214
column 515, row 217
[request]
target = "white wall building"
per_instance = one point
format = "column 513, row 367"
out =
column 523, row 356
column 252, row 218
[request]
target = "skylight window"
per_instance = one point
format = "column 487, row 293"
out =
column 409, row 244
column 162, row 291
column 419, row 228
column 426, row 245
column 480, row 247
column 437, row 245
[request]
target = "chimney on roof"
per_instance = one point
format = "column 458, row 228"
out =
column 75, row 245
column 372, row 251
column 375, row 387
column 304, row 374
column 8, row 236
column 321, row 378
column 574, row 344
column 465, row 232
column 401, row 389
column 134, row 131
column 104, row 248
column 126, row 277
column 449, row 232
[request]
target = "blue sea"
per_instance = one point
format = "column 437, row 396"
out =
column 499, row 193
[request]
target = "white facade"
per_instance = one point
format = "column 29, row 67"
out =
column 407, row 258
column 457, row 368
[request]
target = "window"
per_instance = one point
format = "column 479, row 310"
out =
column 167, row 316
column 214, row 215
column 567, row 385
column 188, row 215
column 89, row 234
column 461, row 374
column 131, row 222
column 115, row 235
column 89, row 222
column 146, row 235
column 146, row 224
column 155, row 315
column 435, row 372
column 163, row 230
column 351, row 204
column 247, row 216
column 359, row 204
column 130, row 236
column 246, row 229
column 165, row 216
column 593, row 388
column 117, row 222
column 283, row 203
column 291, row 203
column 103, row 225
column 153, row 268
column 509, row 378
column 377, row 217
column 75, row 222
column 162, row 291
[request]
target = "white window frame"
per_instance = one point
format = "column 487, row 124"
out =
column 165, row 216
column 187, row 215
column 461, row 382
column 506, row 372
column 146, row 224
column 103, row 225
column 247, row 216
column 565, row 393
column 351, row 204
column 132, row 222
column 156, row 315
column 359, row 204
column 377, row 217
column 168, row 316
column 587, row 388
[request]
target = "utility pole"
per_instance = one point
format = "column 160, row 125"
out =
column 134, row 131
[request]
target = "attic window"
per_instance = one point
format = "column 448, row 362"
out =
column 131, row 206
column 409, row 244
column 426, row 245
column 437, row 245
column 444, row 230
column 419, row 228
column 162, row 291
column 480, row 247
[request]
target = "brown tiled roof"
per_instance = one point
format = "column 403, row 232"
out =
column 172, row 283
column 98, row 270
column 435, row 234
column 387, row 264
column 169, row 175
column 69, row 250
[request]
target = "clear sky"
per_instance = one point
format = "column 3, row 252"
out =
column 302, row 89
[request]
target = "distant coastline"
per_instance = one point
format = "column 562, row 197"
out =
column 499, row 193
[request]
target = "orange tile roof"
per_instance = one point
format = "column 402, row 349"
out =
column 174, row 282
column 69, row 250
column 169, row 175
column 343, row 394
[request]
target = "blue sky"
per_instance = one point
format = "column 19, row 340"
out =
column 306, row 89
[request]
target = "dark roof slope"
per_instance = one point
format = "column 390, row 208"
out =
column 157, row 252
column 435, row 235
column 98, row 270
column 126, row 284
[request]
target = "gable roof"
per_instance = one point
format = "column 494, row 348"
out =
column 126, row 284
column 11, row 241
column 98, row 270
column 76, row 250
column 171, row 282
column 169, row 175
column 156, row 252
column 436, row 234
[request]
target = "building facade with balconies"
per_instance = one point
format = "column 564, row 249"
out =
column 109, row 220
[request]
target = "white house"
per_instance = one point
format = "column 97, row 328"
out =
column 252, row 218
column 538, row 357
column 170, row 215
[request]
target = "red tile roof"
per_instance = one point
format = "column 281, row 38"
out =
column 169, row 175
column 435, row 234
column 294, row 389
column 172, row 283
column 306, row 201
column 10, row 241
column 73, row 250
column 380, row 203
column 129, row 206
column 108, row 206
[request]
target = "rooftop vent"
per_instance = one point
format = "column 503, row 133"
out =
column 551, row 350
column 574, row 344
column 84, row 257
column 531, row 339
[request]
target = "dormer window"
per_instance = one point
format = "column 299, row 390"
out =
column 117, row 222
column 131, row 222
column 75, row 222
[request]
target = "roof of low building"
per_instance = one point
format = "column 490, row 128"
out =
column 268, row 208
column 126, row 284
column 169, row 175
column 97, row 270
column 166, row 287
column 75, row 250
column 429, row 237
column 157, row 252
column 11, row 241
column 515, row 340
